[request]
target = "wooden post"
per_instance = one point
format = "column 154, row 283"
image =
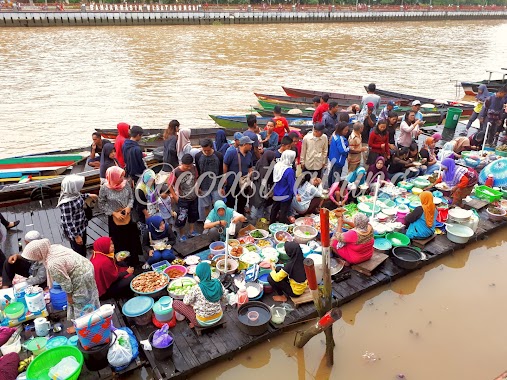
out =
column 312, row 283
column 322, row 325
column 327, row 291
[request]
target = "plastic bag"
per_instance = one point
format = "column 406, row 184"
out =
column 161, row 338
column 64, row 369
column 120, row 353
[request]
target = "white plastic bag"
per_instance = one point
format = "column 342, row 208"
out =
column 120, row 353
column 64, row 369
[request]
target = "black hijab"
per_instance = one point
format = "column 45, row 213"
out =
column 105, row 161
column 295, row 267
column 262, row 166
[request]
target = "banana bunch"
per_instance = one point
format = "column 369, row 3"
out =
column 23, row 364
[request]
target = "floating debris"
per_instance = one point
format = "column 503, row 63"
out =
column 370, row 356
column 400, row 376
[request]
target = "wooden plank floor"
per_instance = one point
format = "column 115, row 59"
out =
column 193, row 353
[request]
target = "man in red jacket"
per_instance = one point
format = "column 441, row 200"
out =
column 323, row 107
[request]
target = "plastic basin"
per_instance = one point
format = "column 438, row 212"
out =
column 398, row 239
column 39, row 368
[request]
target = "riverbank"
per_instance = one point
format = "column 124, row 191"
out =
column 163, row 17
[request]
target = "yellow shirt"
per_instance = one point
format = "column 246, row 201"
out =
column 297, row 287
column 478, row 108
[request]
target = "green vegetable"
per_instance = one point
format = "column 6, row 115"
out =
column 257, row 234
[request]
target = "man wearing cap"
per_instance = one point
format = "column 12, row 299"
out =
column 133, row 155
column 238, row 163
column 323, row 107
column 314, row 151
column 330, row 118
column 416, row 107
column 384, row 114
column 34, row 271
column 371, row 97
column 235, row 146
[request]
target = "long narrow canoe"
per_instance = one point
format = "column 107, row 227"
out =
column 300, row 93
column 471, row 88
column 51, row 162
column 268, row 105
column 269, row 113
column 467, row 107
column 240, row 122
column 195, row 132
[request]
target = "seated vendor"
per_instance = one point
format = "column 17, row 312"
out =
column 378, row 170
column 420, row 222
column 308, row 197
column 202, row 304
column 34, row 271
column 9, row 364
column 356, row 245
column 290, row 280
column 113, row 280
column 459, row 179
column 399, row 164
column 159, row 233
column 415, row 157
column 220, row 218
column 338, row 195
column 96, row 149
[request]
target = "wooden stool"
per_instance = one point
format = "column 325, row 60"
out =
column 369, row 266
column 303, row 298
column 200, row 329
column 420, row 243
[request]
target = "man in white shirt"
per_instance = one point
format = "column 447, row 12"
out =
column 314, row 151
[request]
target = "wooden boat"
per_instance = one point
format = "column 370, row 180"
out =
column 300, row 93
column 304, row 124
column 43, row 187
column 268, row 105
column 38, row 163
column 471, row 88
column 269, row 113
column 441, row 105
column 196, row 132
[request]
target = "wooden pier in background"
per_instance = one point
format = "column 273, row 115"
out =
column 193, row 352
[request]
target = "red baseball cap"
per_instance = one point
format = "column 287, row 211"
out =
column 370, row 105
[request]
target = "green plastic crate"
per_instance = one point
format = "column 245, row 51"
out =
column 487, row 193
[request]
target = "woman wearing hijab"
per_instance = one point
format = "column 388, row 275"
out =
column 9, row 364
column 378, row 169
column 159, row 232
column 420, row 222
column 220, row 218
column 482, row 95
column 107, row 159
column 34, row 272
column 263, row 184
column 221, row 144
column 72, row 271
column 146, row 197
column 183, row 144
column 428, row 153
column 116, row 201
column 72, row 214
column 356, row 245
column 284, row 178
column 459, row 179
column 112, row 281
column 201, row 305
column 291, row 279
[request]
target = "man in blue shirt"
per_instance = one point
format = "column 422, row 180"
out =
column 238, row 163
column 338, row 152
column 330, row 118
column 252, row 132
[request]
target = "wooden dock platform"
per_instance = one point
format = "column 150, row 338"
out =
column 193, row 353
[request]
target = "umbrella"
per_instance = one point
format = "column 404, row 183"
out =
column 498, row 169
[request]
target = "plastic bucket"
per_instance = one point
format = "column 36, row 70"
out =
column 95, row 358
column 161, row 354
column 452, row 118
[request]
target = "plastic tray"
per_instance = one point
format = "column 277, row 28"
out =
column 487, row 193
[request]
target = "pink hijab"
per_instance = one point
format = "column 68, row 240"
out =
column 115, row 178
column 183, row 139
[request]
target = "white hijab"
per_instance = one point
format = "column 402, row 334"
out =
column 71, row 188
column 285, row 162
